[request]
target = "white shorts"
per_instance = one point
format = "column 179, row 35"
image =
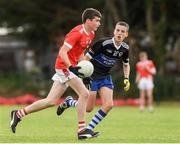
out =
column 145, row 83
column 63, row 76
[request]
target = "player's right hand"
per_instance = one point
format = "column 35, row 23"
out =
column 75, row 71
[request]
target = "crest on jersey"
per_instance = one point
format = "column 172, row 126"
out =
column 109, row 50
column 117, row 53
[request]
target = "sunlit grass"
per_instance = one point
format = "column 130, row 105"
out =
column 122, row 125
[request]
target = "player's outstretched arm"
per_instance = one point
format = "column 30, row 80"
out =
column 126, row 70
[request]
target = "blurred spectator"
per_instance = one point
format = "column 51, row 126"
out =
column 169, row 45
column 172, row 59
column 144, row 78
column 29, row 62
column 146, row 41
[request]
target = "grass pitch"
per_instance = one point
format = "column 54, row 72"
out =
column 122, row 125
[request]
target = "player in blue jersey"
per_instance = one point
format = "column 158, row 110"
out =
column 104, row 54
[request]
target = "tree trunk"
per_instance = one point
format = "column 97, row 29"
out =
column 149, row 21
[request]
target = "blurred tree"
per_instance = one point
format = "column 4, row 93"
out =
column 41, row 20
column 161, row 31
column 149, row 20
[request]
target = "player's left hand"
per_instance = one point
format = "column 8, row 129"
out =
column 127, row 84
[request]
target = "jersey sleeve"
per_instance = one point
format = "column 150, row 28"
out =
column 72, row 38
column 94, row 49
column 125, row 57
column 151, row 64
column 137, row 67
column 152, row 67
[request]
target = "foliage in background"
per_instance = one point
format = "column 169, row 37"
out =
column 13, row 84
column 44, row 21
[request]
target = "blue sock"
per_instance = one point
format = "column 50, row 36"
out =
column 98, row 117
column 71, row 103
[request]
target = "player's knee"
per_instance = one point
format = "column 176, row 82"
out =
column 88, row 110
column 108, row 106
column 51, row 102
column 85, row 94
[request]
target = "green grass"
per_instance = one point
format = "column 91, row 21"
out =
column 122, row 125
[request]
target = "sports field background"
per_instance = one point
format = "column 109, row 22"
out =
column 122, row 125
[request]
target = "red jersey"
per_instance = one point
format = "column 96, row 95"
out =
column 141, row 65
column 78, row 40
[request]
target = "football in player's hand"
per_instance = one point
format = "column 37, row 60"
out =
column 87, row 68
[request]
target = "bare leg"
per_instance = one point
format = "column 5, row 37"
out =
column 106, row 95
column 91, row 101
column 142, row 100
column 107, row 99
column 150, row 99
column 83, row 94
column 55, row 93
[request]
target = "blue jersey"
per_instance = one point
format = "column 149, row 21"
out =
column 104, row 54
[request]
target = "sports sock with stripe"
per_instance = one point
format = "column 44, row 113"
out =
column 81, row 126
column 71, row 103
column 21, row 113
column 98, row 117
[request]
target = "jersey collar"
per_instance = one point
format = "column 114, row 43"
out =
column 117, row 47
column 85, row 30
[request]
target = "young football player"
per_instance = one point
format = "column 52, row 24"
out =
column 75, row 44
column 144, row 78
column 104, row 55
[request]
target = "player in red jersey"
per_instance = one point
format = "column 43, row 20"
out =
column 145, row 71
column 75, row 44
column 103, row 54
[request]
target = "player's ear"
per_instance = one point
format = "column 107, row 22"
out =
column 127, row 34
column 114, row 32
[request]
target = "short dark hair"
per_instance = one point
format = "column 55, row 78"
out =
column 122, row 23
column 90, row 13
